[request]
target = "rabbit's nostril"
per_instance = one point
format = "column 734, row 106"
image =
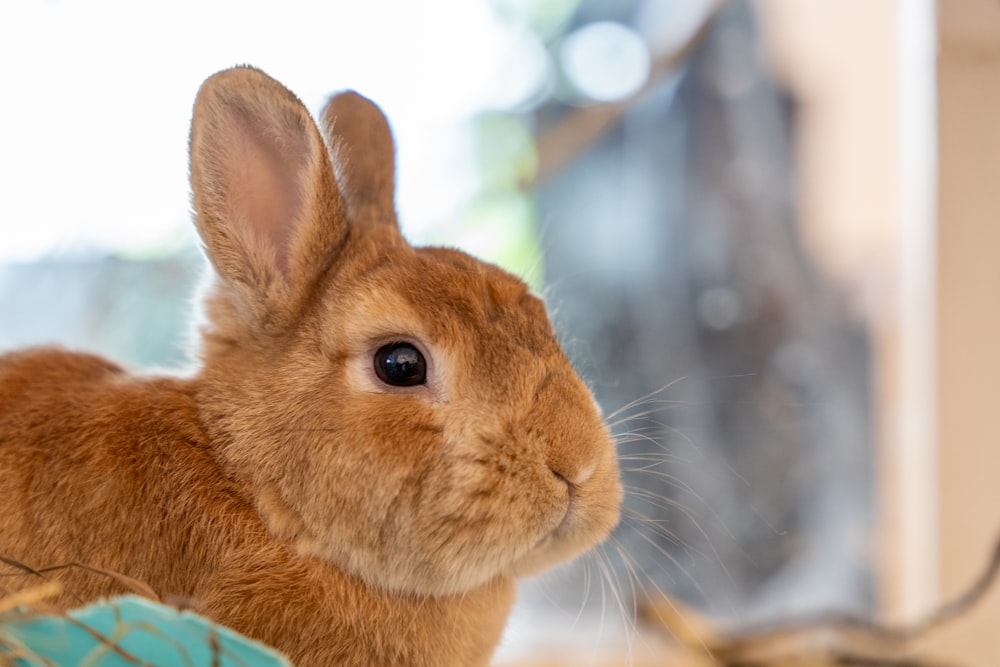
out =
column 575, row 479
column 583, row 474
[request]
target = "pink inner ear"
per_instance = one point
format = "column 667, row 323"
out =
column 264, row 193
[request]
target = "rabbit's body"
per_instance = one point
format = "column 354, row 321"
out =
column 151, row 501
column 380, row 439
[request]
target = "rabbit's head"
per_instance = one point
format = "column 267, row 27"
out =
column 404, row 413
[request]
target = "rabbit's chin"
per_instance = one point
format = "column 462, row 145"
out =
column 556, row 548
column 402, row 575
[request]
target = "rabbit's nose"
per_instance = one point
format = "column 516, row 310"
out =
column 575, row 478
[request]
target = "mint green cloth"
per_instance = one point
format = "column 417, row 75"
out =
column 147, row 633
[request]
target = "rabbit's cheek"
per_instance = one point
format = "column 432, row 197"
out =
column 472, row 520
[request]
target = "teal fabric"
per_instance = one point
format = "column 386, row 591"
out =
column 124, row 632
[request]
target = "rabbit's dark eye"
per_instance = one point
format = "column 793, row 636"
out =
column 400, row 365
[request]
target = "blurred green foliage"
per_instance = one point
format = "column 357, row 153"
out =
column 548, row 18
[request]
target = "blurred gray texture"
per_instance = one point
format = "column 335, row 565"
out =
column 676, row 273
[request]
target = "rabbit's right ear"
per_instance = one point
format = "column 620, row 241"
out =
column 364, row 158
column 265, row 200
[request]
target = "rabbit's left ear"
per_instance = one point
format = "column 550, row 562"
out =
column 363, row 156
column 266, row 203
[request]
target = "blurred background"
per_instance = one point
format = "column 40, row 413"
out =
column 729, row 208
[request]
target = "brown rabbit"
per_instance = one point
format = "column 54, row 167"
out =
column 379, row 440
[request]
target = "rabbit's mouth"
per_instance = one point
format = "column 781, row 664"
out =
column 553, row 548
column 583, row 525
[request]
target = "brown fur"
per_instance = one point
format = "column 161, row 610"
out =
column 284, row 489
